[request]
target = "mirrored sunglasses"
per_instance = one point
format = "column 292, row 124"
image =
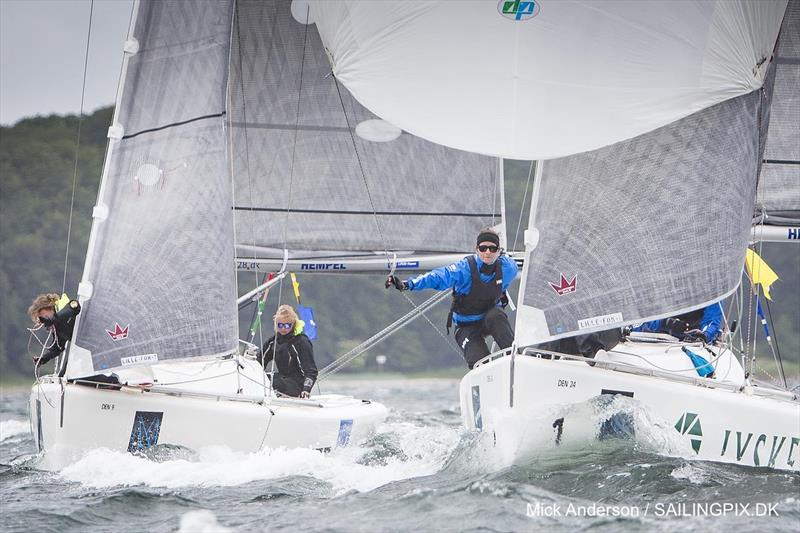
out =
column 485, row 247
column 284, row 325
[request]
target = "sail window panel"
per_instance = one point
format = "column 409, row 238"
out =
column 175, row 76
column 161, row 262
column 294, row 148
column 646, row 228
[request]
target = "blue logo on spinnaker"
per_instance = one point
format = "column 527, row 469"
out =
column 518, row 9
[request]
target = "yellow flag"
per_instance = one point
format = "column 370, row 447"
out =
column 296, row 287
column 759, row 272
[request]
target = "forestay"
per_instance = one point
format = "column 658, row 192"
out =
column 778, row 200
column 315, row 171
column 158, row 282
column 538, row 80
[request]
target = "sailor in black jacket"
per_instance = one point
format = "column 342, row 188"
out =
column 293, row 354
column 58, row 315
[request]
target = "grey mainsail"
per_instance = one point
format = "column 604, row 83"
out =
column 229, row 130
column 305, row 180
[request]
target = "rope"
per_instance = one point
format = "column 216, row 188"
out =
column 350, row 356
column 296, row 128
column 776, row 350
column 361, row 168
column 522, row 208
column 77, row 150
column 449, row 340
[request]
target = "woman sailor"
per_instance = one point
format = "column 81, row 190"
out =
column 293, row 355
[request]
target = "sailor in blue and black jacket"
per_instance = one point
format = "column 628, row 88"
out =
column 479, row 283
column 699, row 325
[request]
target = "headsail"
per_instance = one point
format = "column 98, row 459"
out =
column 562, row 78
column 316, row 172
column 157, row 283
column 778, row 199
column 644, row 228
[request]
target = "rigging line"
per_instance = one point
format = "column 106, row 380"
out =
column 77, row 149
column 776, row 352
column 246, row 139
column 522, row 208
column 361, row 168
column 448, row 340
column 389, row 330
column 296, row 124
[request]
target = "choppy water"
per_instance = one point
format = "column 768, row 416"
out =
column 421, row 472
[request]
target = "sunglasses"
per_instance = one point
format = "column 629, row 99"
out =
column 284, row 325
column 490, row 248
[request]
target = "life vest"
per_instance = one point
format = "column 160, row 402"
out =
column 481, row 296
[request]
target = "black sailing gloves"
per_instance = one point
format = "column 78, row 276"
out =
column 695, row 335
column 399, row 284
column 680, row 329
column 676, row 327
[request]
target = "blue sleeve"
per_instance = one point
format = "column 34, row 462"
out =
column 442, row 278
column 510, row 271
column 711, row 323
column 654, row 326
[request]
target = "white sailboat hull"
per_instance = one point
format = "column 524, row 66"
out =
column 554, row 404
column 68, row 419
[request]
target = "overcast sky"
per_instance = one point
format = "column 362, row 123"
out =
column 42, row 48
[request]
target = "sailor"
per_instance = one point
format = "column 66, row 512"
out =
column 479, row 283
column 699, row 325
column 293, row 354
column 57, row 314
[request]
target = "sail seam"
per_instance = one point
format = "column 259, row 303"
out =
column 173, row 124
column 383, row 213
column 288, row 127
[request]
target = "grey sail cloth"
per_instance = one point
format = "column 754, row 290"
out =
column 778, row 197
column 161, row 267
column 305, row 180
column 647, row 227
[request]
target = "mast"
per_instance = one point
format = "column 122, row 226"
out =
column 79, row 359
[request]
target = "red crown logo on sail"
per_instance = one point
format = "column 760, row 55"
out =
column 565, row 287
column 119, row 333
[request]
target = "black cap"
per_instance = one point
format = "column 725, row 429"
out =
column 488, row 236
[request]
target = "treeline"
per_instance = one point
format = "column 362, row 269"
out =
column 37, row 169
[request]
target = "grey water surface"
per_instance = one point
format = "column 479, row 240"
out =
column 420, row 472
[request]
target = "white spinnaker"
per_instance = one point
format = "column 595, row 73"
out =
column 577, row 76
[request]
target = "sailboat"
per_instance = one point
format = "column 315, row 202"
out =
column 231, row 150
column 651, row 127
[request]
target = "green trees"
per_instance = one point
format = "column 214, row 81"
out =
column 37, row 161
